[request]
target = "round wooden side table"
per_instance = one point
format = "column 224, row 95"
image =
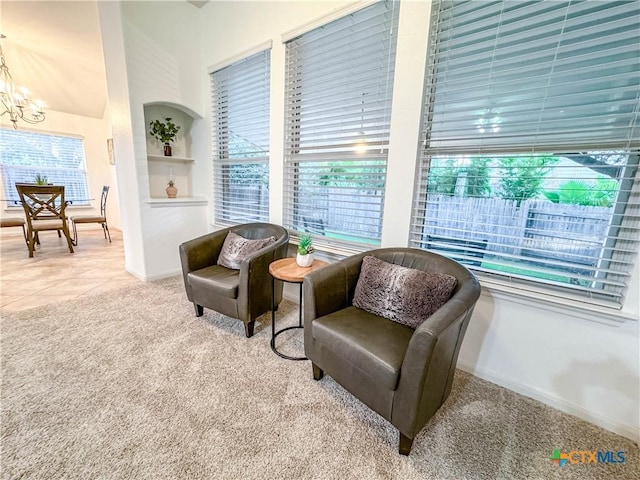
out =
column 287, row 270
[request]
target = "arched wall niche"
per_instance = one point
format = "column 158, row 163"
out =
column 179, row 166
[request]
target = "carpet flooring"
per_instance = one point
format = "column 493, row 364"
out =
column 131, row 385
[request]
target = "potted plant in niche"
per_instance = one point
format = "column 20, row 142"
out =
column 304, row 258
column 165, row 132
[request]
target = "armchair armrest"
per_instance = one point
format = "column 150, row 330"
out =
column 199, row 253
column 203, row 251
column 331, row 288
column 260, row 260
column 254, row 275
column 431, row 359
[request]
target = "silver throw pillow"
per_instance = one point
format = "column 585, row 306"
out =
column 236, row 248
column 404, row 295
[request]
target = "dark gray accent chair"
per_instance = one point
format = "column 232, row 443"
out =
column 244, row 294
column 404, row 375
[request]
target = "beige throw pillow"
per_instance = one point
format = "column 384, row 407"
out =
column 401, row 294
column 236, row 248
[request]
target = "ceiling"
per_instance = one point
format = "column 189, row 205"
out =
column 55, row 50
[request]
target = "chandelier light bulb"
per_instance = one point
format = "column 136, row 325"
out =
column 15, row 101
column 38, row 107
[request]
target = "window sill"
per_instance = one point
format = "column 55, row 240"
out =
column 335, row 250
column 554, row 302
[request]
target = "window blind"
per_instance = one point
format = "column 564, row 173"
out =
column 528, row 170
column 240, row 94
column 339, row 82
column 24, row 155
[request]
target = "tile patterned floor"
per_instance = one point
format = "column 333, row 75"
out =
column 54, row 274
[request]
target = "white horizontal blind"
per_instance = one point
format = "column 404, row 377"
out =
column 24, row 155
column 339, row 82
column 240, row 94
column 508, row 75
column 531, row 129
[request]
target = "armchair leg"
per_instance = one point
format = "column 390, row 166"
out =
column 317, row 372
column 405, row 444
column 248, row 328
column 199, row 310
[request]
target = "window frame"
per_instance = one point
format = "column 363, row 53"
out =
column 628, row 198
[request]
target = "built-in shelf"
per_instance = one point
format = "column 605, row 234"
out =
column 162, row 158
column 177, row 202
column 178, row 167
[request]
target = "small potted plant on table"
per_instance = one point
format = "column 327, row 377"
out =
column 165, row 132
column 41, row 180
column 304, row 258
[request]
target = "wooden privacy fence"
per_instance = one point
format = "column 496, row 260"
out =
column 537, row 229
column 562, row 231
column 247, row 202
column 350, row 211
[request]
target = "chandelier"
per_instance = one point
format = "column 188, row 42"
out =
column 15, row 101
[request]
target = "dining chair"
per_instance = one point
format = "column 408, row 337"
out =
column 101, row 219
column 8, row 222
column 44, row 208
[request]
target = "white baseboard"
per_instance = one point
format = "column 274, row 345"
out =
column 627, row 431
column 150, row 278
column 134, row 272
column 167, row 274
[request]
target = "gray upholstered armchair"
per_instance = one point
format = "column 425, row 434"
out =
column 403, row 374
column 244, row 293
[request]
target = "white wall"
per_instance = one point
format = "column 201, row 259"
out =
column 152, row 54
column 94, row 132
column 580, row 360
column 564, row 359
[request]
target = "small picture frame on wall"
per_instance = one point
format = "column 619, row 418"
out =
column 112, row 158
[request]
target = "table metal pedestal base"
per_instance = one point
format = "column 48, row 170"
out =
column 274, row 334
